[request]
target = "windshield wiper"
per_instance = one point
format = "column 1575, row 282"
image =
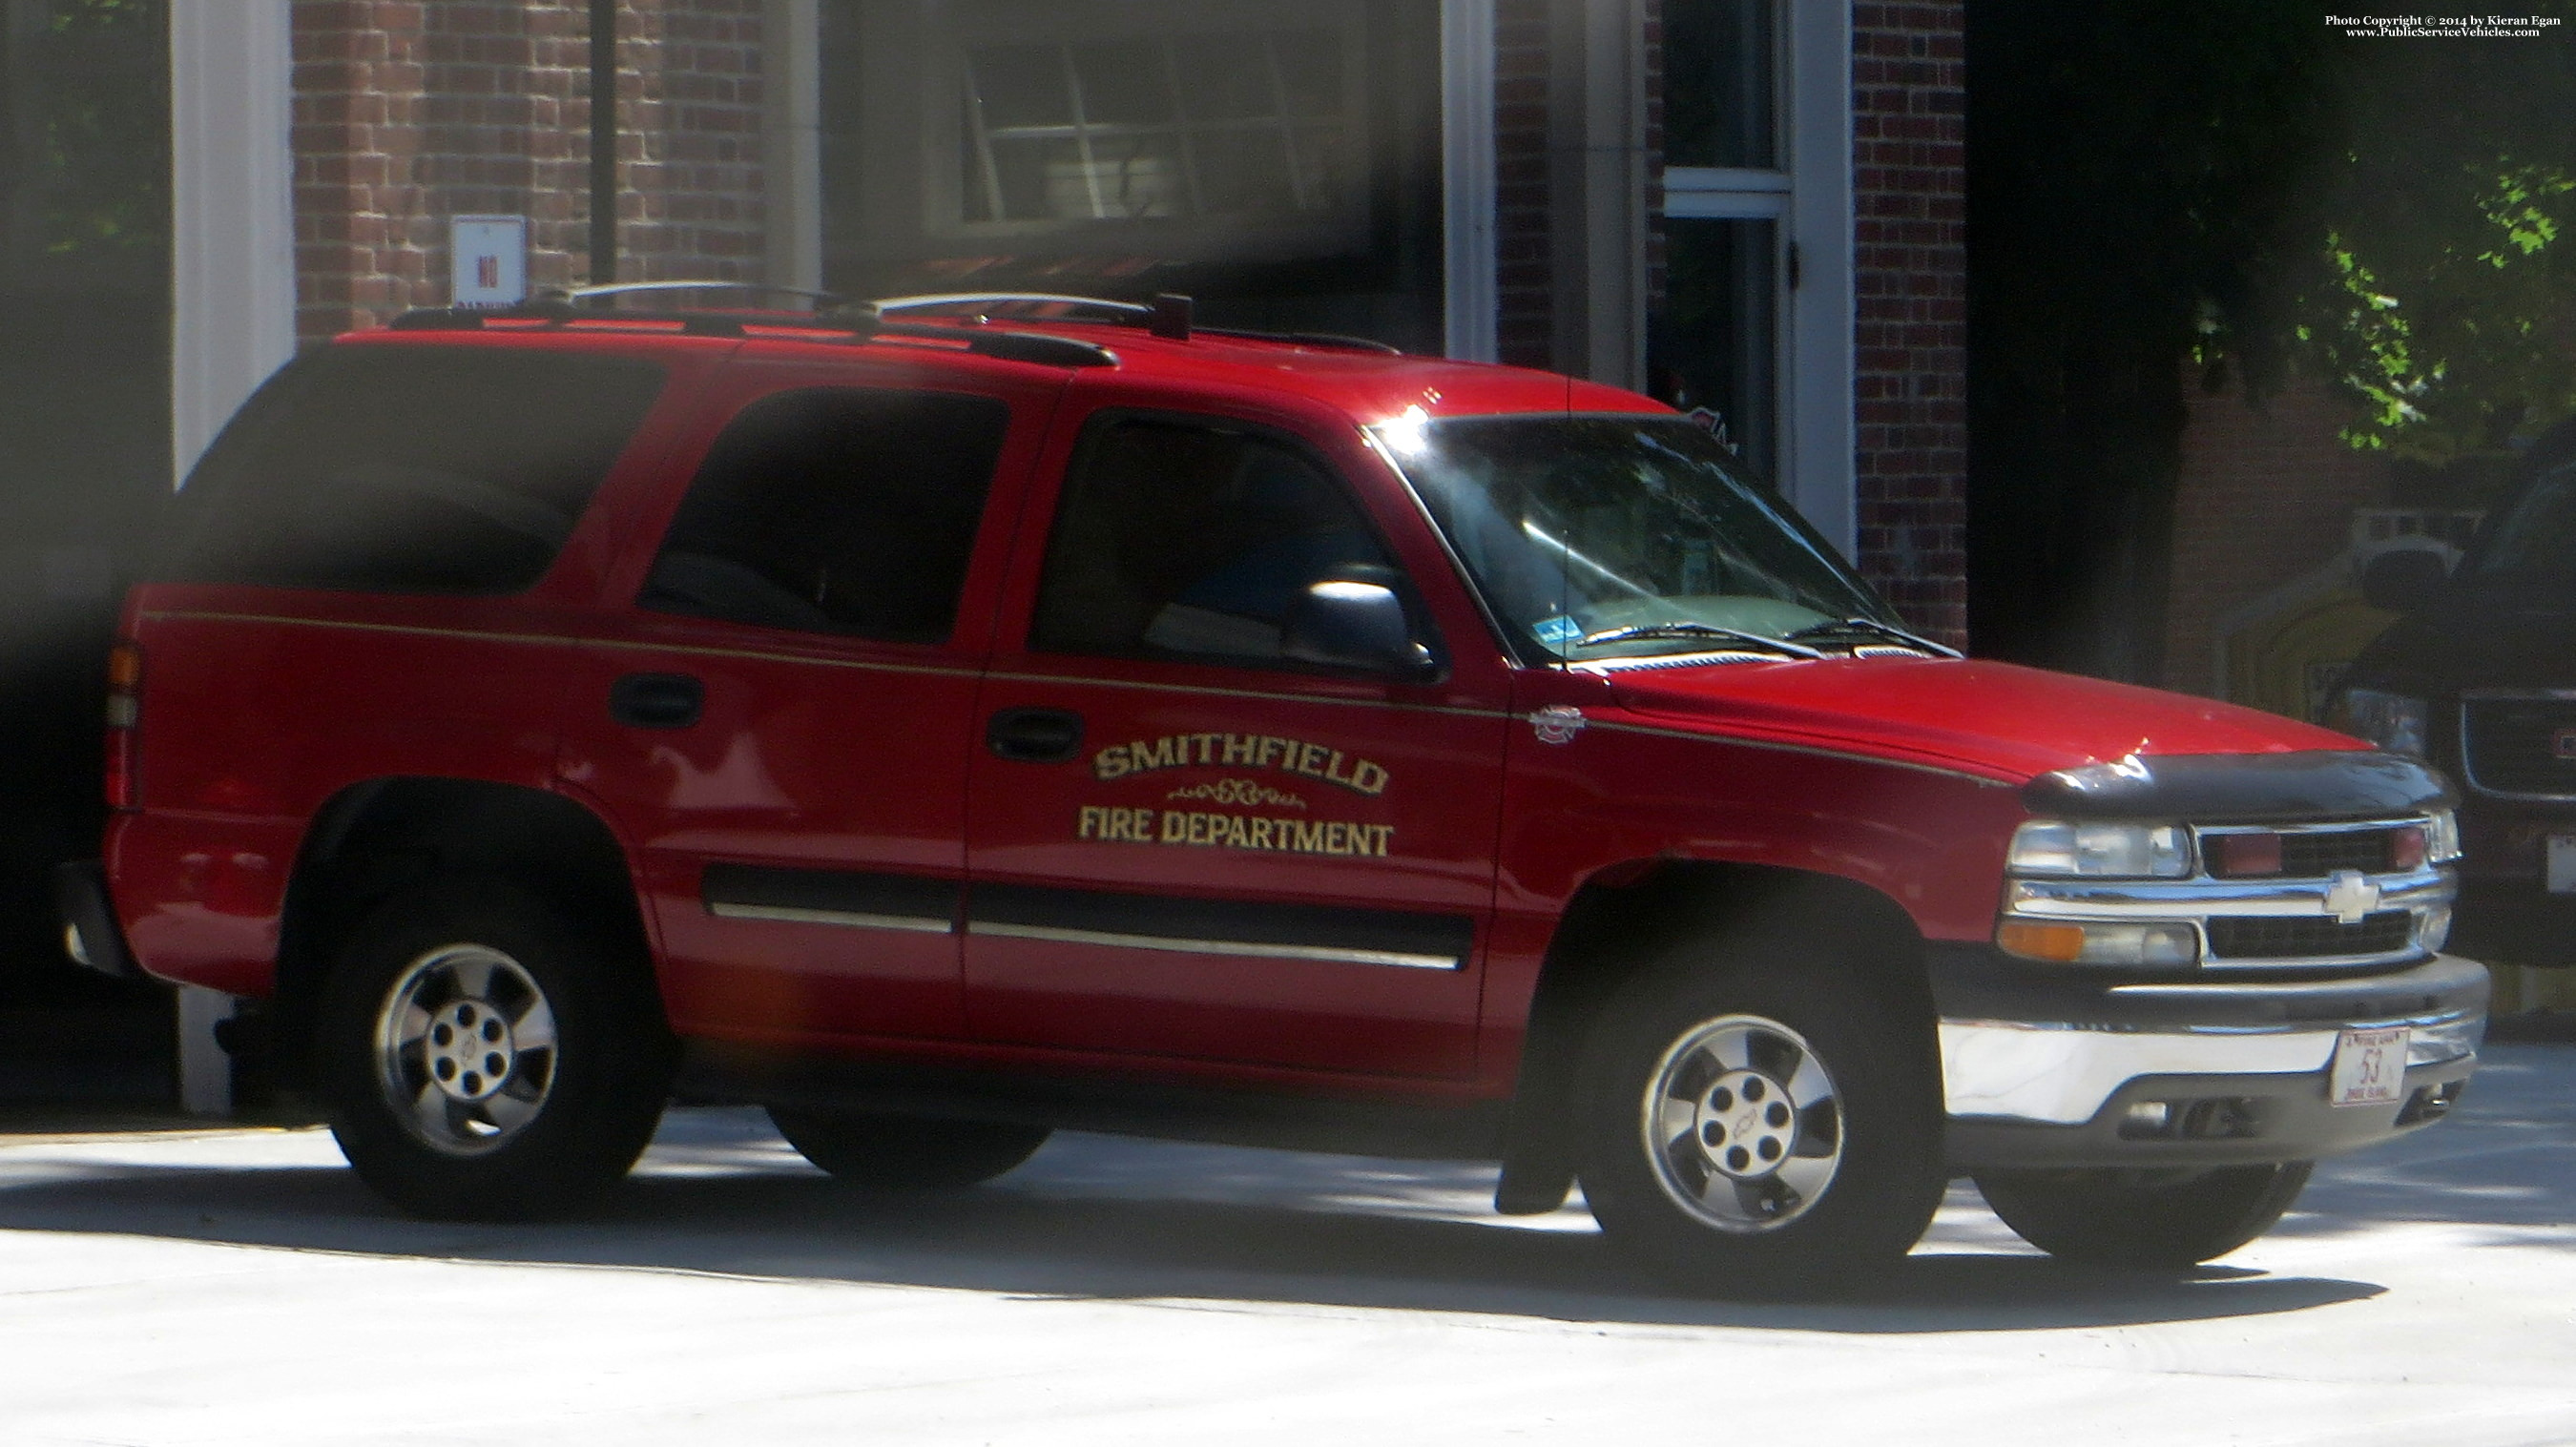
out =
column 1700, row 630
column 1876, row 629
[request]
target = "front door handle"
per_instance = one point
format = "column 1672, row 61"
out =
column 1035, row 735
column 657, row 700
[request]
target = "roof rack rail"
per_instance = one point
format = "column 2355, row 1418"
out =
column 1168, row 316
column 859, row 323
column 1341, row 341
column 821, row 299
column 939, row 301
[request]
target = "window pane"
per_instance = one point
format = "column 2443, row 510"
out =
column 1721, row 103
column 1239, row 122
column 1182, row 540
column 835, row 511
column 410, row 469
column 1278, row 163
column 1721, row 330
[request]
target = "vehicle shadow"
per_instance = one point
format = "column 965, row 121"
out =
column 2505, row 1163
column 1076, row 1223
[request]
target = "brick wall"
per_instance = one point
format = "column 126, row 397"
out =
column 1909, row 137
column 409, row 113
column 2264, row 496
column 689, row 164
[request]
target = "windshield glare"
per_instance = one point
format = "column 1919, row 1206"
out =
column 1578, row 528
column 2534, row 543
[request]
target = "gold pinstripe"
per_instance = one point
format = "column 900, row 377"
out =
column 1267, row 696
column 1810, row 750
column 926, row 670
column 556, row 640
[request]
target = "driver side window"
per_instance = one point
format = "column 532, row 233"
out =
column 1190, row 540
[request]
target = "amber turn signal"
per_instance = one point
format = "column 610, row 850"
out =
column 2032, row 940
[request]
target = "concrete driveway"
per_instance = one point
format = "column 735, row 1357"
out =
column 240, row 1287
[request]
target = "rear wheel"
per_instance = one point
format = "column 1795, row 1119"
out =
column 2151, row 1220
column 906, row 1153
column 486, row 1057
column 1762, row 1117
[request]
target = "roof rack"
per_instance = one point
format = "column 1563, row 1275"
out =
column 1168, row 317
column 859, row 322
column 821, row 299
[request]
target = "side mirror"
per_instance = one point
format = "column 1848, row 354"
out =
column 2403, row 580
column 1342, row 624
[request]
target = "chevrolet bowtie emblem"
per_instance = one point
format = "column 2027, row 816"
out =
column 2349, row 897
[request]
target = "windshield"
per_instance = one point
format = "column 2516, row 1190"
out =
column 1598, row 538
column 2533, row 546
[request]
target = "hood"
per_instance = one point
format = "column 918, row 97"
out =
column 1994, row 719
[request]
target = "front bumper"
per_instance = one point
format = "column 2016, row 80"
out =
column 2051, row 1066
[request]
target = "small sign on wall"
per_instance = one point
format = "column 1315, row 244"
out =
column 488, row 260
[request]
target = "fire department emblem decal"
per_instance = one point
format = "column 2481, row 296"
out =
column 1556, row 723
column 2562, row 745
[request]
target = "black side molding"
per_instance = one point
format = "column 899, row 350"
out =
column 829, row 896
column 91, row 935
column 2243, row 788
column 1222, row 925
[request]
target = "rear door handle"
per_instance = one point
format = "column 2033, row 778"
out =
column 657, row 700
column 1035, row 735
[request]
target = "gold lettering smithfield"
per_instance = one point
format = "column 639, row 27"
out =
column 1257, row 751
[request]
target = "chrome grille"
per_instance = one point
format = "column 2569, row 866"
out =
column 2521, row 746
column 2285, row 938
column 2313, row 856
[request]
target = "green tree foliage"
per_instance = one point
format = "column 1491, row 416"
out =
column 2133, row 181
column 88, row 149
column 2444, row 295
column 2248, row 187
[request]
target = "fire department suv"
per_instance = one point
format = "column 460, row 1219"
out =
column 946, row 721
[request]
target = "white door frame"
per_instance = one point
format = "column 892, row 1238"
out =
column 232, row 264
column 1811, row 199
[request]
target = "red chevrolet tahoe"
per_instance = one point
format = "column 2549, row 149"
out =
column 949, row 720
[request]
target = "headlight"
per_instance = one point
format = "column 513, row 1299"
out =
column 2104, row 851
column 2441, row 837
column 2397, row 722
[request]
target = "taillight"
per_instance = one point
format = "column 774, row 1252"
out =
column 124, row 717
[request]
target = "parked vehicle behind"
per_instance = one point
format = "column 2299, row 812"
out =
column 950, row 721
column 2479, row 677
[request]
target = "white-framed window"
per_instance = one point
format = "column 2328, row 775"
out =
column 1757, row 320
column 1241, row 115
column 1181, row 130
column 1280, row 163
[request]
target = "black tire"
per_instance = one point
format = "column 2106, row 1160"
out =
column 549, row 1039
column 2143, row 1220
column 906, row 1153
column 1816, row 1165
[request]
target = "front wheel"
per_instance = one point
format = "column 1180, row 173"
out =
column 1762, row 1117
column 486, row 1057
column 2143, row 1219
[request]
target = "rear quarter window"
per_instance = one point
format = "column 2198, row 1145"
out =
column 408, row 470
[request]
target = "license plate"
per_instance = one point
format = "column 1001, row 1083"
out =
column 2369, row 1067
column 2562, row 864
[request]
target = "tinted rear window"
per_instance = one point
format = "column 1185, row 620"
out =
column 835, row 511
column 408, row 470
